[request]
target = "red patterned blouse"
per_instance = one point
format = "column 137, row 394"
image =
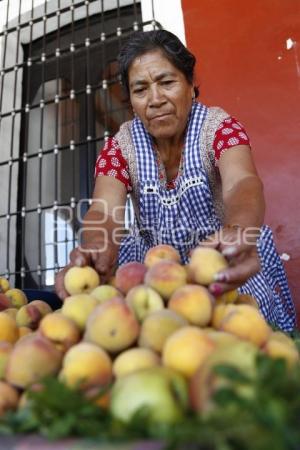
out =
column 111, row 162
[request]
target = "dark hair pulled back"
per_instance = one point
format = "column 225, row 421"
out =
column 142, row 42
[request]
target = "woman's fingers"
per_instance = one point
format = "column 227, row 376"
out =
column 236, row 275
column 59, row 283
column 79, row 258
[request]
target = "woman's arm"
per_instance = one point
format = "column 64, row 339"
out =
column 244, row 208
column 101, row 231
column 242, row 189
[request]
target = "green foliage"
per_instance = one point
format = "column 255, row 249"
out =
column 268, row 419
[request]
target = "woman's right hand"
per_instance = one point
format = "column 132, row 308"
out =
column 102, row 257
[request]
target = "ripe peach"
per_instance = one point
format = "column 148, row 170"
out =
column 129, row 275
column 42, row 306
column 78, row 308
column 81, row 280
column 134, row 359
column 105, row 292
column 28, row 316
column 8, row 328
column 4, row 302
column 5, row 350
column 193, row 302
column 99, row 397
column 221, row 338
column 32, row 358
column 279, row 345
column 247, row 323
column 161, row 252
column 227, row 297
column 206, row 381
column 86, row 365
column 204, row 264
column 158, row 326
column 165, row 277
column 23, row 331
column 219, row 312
column 17, row 297
column 61, row 330
column 12, row 312
column 143, row 300
column 112, row 325
column 9, row 398
column 4, row 285
column 186, row 349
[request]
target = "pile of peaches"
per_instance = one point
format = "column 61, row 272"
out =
column 149, row 338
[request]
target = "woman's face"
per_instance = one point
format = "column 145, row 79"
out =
column 160, row 95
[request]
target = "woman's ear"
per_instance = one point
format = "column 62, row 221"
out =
column 193, row 93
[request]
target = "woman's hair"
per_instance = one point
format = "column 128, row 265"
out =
column 142, row 42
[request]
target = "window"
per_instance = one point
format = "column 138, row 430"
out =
column 60, row 98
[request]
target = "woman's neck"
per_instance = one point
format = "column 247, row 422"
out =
column 169, row 150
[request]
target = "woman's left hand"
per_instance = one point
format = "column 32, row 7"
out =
column 238, row 245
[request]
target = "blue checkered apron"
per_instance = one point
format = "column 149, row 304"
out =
column 185, row 215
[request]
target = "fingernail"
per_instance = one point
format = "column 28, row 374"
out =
column 220, row 277
column 216, row 289
column 79, row 261
column 229, row 251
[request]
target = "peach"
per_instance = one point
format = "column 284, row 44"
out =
column 4, row 285
column 204, row 264
column 12, row 312
column 42, row 306
column 105, row 292
column 29, row 316
column 86, row 365
column 23, row 331
column 221, row 338
column 193, row 302
column 129, row 275
column 165, row 277
column 206, row 381
column 78, row 308
column 279, row 345
column 32, row 358
column 143, row 300
column 8, row 328
column 4, row 302
column 5, row 350
column 112, row 325
column 161, row 252
column 186, row 349
column 9, row 398
column 247, row 323
column 227, row 297
column 81, row 280
column 219, row 312
column 98, row 396
column 61, row 330
column 134, row 359
column 158, row 326
column 17, row 297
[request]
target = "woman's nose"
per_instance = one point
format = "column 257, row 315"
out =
column 155, row 98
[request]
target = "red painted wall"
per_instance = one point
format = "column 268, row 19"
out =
column 245, row 67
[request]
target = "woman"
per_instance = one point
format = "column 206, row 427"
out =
column 191, row 177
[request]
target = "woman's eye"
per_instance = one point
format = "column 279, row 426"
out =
column 167, row 82
column 139, row 90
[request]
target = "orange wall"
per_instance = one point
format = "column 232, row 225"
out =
column 245, row 67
